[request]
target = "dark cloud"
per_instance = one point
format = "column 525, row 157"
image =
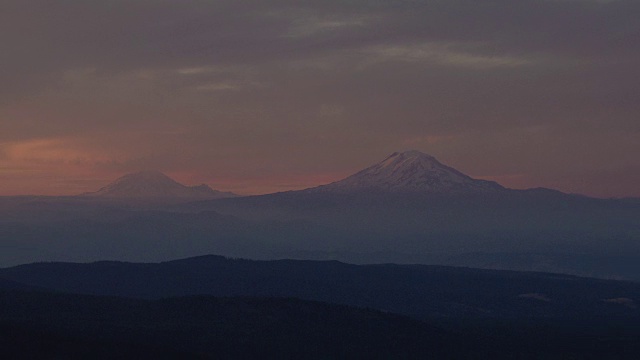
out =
column 256, row 91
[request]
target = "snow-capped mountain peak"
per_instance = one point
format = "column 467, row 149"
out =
column 411, row 171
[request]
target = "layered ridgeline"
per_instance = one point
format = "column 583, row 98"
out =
column 409, row 208
column 155, row 185
column 212, row 307
column 419, row 291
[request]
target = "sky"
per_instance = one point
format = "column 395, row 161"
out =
column 258, row 96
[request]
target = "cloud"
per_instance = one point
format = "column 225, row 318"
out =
column 440, row 54
column 308, row 25
column 229, row 86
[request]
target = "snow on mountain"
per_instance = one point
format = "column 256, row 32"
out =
column 411, row 172
column 153, row 184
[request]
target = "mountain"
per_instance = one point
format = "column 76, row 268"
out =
column 410, row 172
column 153, row 184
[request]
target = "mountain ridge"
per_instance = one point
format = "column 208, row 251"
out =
column 419, row 291
column 155, row 184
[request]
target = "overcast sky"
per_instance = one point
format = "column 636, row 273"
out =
column 262, row 96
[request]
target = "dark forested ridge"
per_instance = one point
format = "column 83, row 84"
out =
column 216, row 307
column 55, row 325
column 415, row 290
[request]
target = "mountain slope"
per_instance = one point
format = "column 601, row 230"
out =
column 410, row 172
column 49, row 325
column 414, row 290
column 153, row 184
column 54, row 325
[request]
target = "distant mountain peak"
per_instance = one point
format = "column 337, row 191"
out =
column 411, row 172
column 144, row 177
column 154, row 184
